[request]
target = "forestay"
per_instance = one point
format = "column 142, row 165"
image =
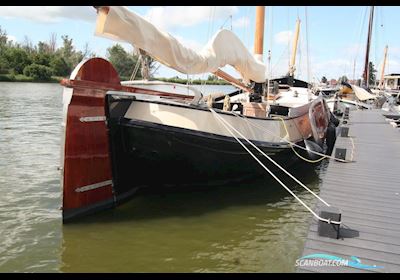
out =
column 225, row 48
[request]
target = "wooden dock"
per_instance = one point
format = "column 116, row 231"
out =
column 367, row 191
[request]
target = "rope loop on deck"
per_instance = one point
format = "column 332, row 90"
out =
column 226, row 124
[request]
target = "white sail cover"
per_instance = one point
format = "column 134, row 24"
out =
column 224, row 48
column 362, row 94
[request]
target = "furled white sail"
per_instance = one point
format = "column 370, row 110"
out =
column 362, row 94
column 224, row 48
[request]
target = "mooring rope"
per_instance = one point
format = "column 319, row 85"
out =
column 297, row 154
column 226, row 124
column 294, row 144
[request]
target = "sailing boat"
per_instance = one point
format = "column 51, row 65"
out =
column 119, row 138
column 353, row 96
column 291, row 92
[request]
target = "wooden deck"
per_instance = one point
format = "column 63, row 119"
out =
column 367, row 192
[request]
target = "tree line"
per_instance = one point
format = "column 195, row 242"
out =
column 46, row 62
column 372, row 77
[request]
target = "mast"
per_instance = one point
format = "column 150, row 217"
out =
column 259, row 33
column 383, row 68
column 258, row 88
column 294, row 49
column 366, row 66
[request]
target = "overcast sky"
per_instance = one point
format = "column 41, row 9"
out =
column 336, row 35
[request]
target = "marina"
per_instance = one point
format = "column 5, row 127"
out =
column 108, row 166
column 367, row 192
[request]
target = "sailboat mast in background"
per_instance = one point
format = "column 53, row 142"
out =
column 383, row 68
column 292, row 66
column 366, row 66
column 258, row 51
column 259, row 33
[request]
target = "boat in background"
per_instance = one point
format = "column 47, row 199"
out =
column 355, row 97
column 122, row 137
column 287, row 91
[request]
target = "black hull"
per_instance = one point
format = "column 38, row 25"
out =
column 153, row 155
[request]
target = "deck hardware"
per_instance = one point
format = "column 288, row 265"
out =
column 344, row 121
column 93, row 119
column 340, row 153
column 328, row 229
column 94, row 186
column 346, row 113
column 344, row 131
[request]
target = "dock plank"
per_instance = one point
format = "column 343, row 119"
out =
column 367, row 191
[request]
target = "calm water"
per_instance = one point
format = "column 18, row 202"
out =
column 250, row 227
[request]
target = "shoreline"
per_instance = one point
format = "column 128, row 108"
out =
column 54, row 79
column 25, row 79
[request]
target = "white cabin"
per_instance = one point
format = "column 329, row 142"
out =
column 391, row 82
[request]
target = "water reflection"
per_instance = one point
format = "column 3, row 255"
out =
column 252, row 226
column 29, row 185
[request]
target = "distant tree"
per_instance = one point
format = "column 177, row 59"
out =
column 212, row 78
column 123, row 62
column 43, row 47
column 3, row 37
column 52, row 42
column 372, row 76
column 38, row 72
column 87, row 52
column 46, row 59
column 324, row 80
column 60, row 66
column 67, row 49
column 343, row 79
column 28, row 46
column 42, row 58
column 68, row 52
column 3, row 42
column 151, row 66
column 17, row 59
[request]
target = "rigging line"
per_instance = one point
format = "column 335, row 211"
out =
column 225, row 123
column 362, row 23
column 299, row 72
column 351, row 55
column 287, row 141
column 376, row 38
column 270, row 41
column 245, row 33
column 271, row 160
column 244, row 29
column 289, row 39
column 307, row 49
column 383, row 24
column 210, row 29
column 135, row 70
column 229, row 17
column 203, row 82
column 297, row 154
column 279, row 60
